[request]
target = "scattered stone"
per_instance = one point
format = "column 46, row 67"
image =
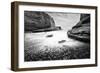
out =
column 62, row 41
column 49, row 35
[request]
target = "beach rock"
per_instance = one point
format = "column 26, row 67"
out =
column 37, row 20
column 51, row 35
column 62, row 41
column 81, row 31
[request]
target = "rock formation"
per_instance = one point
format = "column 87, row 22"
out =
column 81, row 31
column 38, row 21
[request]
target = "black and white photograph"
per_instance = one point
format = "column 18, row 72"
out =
column 56, row 36
column 53, row 36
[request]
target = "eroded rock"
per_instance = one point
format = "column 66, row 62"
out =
column 81, row 31
column 37, row 20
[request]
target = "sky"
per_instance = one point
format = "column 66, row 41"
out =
column 65, row 20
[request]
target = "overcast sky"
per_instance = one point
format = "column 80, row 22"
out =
column 65, row 20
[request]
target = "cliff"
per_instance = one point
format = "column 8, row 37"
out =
column 38, row 22
column 81, row 31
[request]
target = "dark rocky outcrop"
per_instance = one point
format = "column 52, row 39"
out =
column 38, row 21
column 81, row 31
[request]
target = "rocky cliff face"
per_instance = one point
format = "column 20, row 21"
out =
column 81, row 31
column 37, row 20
